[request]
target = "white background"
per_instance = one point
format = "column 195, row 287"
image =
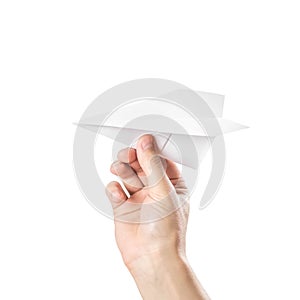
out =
column 58, row 56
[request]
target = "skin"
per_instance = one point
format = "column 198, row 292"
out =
column 154, row 252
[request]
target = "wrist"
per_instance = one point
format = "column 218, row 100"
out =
column 166, row 276
column 149, row 266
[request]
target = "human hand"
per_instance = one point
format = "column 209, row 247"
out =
column 150, row 226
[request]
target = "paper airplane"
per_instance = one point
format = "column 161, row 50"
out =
column 174, row 141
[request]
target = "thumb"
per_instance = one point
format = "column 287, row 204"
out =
column 153, row 166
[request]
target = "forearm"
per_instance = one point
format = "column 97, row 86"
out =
column 167, row 277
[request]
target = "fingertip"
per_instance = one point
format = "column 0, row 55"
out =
column 113, row 168
column 115, row 192
column 146, row 142
column 118, row 168
column 127, row 155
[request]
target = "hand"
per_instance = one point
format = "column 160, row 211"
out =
column 150, row 226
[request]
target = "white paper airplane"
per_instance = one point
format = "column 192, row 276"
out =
column 175, row 142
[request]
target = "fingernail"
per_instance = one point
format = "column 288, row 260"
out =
column 147, row 143
column 116, row 194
